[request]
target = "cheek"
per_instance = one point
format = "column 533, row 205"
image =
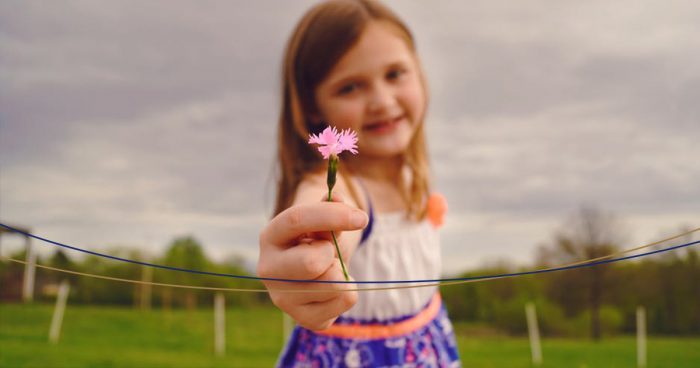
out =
column 344, row 114
column 413, row 99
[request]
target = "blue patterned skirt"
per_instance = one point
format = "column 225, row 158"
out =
column 422, row 340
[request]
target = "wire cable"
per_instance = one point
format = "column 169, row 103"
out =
column 304, row 280
column 455, row 281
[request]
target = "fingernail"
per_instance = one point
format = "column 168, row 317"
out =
column 359, row 219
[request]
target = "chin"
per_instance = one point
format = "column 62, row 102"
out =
column 388, row 150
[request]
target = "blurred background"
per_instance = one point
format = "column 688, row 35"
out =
column 558, row 131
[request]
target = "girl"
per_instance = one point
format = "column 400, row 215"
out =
column 353, row 64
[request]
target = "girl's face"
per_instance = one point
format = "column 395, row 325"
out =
column 376, row 90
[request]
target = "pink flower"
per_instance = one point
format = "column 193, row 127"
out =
column 332, row 142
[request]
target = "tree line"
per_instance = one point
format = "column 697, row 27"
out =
column 184, row 252
column 591, row 301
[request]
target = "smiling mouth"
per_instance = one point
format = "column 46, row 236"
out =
column 384, row 125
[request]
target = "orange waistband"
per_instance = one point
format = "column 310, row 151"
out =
column 377, row 331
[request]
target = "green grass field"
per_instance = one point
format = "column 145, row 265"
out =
column 123, row 337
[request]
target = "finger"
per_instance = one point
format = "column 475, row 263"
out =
column 298, row 220
column 324, row 235
column 319, row 235
column 305, row 261
column 325, row 291
column 321, row 312
column 304, row 318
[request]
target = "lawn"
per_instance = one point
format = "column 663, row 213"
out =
column 123, row 337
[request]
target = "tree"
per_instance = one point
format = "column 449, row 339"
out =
column 590, row 233
column 60, row 259
column 185, row 252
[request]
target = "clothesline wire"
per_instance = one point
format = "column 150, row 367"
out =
column 437, row 282
column 458, row 281
column 172, row 268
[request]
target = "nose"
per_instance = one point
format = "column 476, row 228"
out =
column 381, row 97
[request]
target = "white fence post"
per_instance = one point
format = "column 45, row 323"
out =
column 641, row 337
column 219, row 325
column 29, row 270
column 534, row 333
column 57, row 320
column 146, row 277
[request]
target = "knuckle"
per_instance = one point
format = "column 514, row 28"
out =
column 295, row 217
column 279, row 300
column 262, row 237
column 304, row 319
column 312, row 264
column 348, row 299
column 262, row 269
column 265, row 266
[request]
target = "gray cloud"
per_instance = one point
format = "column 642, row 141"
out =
column 131, row 122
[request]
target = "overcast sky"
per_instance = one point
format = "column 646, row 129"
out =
column 130, row 123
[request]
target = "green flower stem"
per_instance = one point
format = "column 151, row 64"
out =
column 340, row 257
column 332, row 170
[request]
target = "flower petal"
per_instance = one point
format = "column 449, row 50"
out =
column 329, row 136
column 325, row 151
column 348, row 140
column 315, row 139
column 333, row 142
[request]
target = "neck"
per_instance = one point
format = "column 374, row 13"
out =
column 377, row 169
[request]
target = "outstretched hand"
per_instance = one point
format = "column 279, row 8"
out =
column 296, row 245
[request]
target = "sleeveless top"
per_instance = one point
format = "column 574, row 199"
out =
column 394, row 248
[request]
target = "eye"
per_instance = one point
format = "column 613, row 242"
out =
column 395, row 74
column 347, row 88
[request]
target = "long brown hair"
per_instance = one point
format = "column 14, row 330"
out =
column 325, row 33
